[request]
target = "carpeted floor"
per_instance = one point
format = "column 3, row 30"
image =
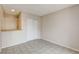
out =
column 38, row 46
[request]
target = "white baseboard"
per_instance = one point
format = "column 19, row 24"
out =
column 16, row 44
column 64, row 46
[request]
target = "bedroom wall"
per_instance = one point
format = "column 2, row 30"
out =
column 0, row 43
column 30, row 31
column 62, row 27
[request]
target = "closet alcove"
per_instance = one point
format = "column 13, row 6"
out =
column 10, row 19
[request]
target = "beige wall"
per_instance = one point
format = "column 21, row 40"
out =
column 31, row 31
column 0, row 43
column 62, row 27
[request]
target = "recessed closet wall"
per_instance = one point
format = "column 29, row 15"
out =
column 30, row 31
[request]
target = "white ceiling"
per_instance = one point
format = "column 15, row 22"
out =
column 39, row 9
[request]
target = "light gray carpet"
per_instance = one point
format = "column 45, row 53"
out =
column 38, row 46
